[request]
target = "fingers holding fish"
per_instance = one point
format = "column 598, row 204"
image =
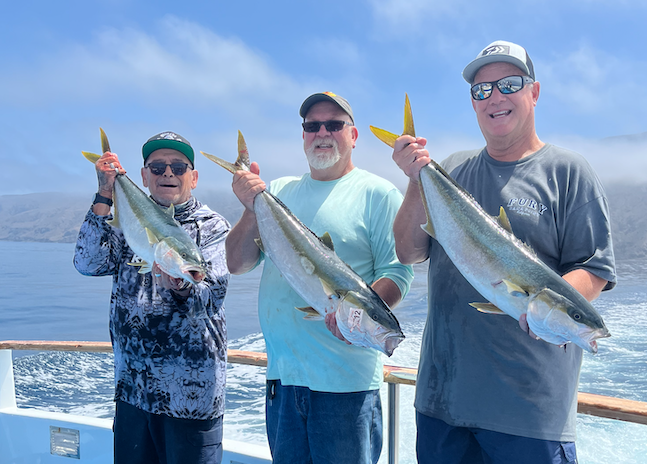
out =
column 246, row 185
column 410, row 154
column 523, row 325
column 168, row 282
column 331, row 324
column 108, row 166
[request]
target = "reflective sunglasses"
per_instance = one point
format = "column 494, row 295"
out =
column 159, row 169
column 507, row 85
column 331, row 126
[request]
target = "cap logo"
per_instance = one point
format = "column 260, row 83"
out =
column 330, row 94
column 496, row 50
column 169, row 136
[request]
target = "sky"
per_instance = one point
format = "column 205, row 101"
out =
column 208, row 69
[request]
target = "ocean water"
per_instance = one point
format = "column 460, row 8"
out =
column 42, row 297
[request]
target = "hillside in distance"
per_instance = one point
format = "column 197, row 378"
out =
column 56, row 217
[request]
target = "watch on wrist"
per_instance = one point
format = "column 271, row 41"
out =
column 101, row 199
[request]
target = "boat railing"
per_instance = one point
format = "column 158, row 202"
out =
column 588, row 403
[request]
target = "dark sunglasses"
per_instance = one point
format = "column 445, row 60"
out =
column 331, row 126
column 159, row 169
column 507, row 85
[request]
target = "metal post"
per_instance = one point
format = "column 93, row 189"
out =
column 394, row 422
column 7, row 389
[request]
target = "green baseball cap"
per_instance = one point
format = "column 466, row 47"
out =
column 168, row 140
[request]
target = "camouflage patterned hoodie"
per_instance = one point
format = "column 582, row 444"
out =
column 170, row 352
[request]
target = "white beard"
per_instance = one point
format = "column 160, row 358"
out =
column 320, row 161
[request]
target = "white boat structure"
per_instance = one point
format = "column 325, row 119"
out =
column 29, row 435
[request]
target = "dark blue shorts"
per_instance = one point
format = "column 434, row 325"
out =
column 304, row 426
column 145, row 438
column 438, row 442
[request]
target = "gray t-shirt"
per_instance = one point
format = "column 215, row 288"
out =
column 481, row 370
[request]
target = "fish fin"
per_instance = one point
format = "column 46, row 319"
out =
column 428, row 226
column 152, row 239
column 105, row 145
column 487, row 308
column 385, row 136
column 514, row 289
column 259, row 244
column 91, row 157
column 408, row 118
column 503, row 220
column 171, row 211
column 243, row 153
column 328, row 290
column 143, row 266
column 242, row 162
column 327, row 240
column 311, row 313
column 114, row 222
column 389, row 137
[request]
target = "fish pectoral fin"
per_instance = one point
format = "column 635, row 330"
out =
column 114, row 222
column 171, row 211
column 328, row 290
column 152, row 239
column 327, row 240
column 503, row 220
column 259, row 244
column 428, row 227
column 487, row 308
column 514, row 289
column 144, row 267
column 311, row 313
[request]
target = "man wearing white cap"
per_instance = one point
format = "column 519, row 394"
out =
column 486, row 391
column 323, row 399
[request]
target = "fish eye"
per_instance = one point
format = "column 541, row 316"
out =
column 577, row 316
column 183, row 255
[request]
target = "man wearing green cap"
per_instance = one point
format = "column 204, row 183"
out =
column 323, row 400
column 168, row 335
column 488, row 392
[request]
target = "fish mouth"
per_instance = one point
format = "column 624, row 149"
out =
column 591, row 341
column 194, row 274
column 391, row 343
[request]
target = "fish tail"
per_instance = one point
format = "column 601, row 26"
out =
column 105, row 145
column 242, row 163
column 388, row 137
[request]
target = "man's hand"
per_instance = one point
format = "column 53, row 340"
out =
column 331, row 323
column 523, row 324
column 247, row 184
column 162, row 279
column 107, row 167
column 410, row 154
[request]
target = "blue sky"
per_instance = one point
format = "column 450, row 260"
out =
column 208, row 69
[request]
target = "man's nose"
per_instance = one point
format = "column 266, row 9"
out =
column 322, row 130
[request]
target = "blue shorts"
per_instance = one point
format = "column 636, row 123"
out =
column 305, row 426
column 438, row 442
column 145, row 438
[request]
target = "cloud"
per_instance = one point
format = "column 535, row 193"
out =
column 182, row 62
column 592, row 83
